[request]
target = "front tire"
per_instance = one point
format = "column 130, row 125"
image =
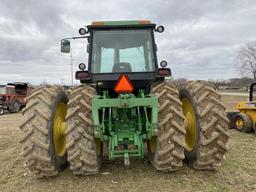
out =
column 43, row 148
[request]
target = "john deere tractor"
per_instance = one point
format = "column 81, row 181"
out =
column 125, row 103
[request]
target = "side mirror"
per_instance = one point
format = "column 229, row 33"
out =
column 65, row 46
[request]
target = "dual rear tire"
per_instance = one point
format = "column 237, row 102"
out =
column 206, row 125
column 47, row 144
column 84, row 151
column 199, row 121
column 42, row 138
column 166, row 150
column 192, row 127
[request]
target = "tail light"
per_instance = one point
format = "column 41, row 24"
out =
column 83, row 75
column 165, row 72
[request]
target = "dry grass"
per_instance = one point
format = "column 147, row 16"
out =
column 237, row 174
column 231, row 101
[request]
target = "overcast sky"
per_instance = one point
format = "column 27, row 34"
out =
column 200, row 41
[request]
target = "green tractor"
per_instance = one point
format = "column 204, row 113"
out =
column 124, row 104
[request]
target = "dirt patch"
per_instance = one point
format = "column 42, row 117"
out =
column 237, row 174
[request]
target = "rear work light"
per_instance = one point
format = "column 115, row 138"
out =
column 83, row 75
column 164, row 72
column 123, row 85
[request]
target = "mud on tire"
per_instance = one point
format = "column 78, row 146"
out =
column 81, row 147
column 169, row 153
column 211, row 146
column 36, row 127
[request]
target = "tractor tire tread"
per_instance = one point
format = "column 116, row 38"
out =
column 214, row 126
column 171, row 131
column 81, row 148
column 35, row 139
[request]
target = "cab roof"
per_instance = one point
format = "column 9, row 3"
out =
column 11, row 86
column 124, row 22
column 20, row 84
column 121, row 24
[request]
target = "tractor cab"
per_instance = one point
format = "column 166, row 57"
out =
column 2, row 90
column 7, row 91
column 251, row 103
column 22, row 91
column 120, row 48
column 252, row 92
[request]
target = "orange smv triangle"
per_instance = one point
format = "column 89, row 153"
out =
column 123, row 85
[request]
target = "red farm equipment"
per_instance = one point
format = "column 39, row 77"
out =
column 13, row 96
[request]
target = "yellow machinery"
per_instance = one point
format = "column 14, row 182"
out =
column 245, row 120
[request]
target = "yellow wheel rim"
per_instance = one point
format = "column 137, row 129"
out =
column 239, row 123
column 190, row 124
column 59, row 126
column 152, row 144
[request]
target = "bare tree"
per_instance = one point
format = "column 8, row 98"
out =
column 247, row 60
column 180, row 81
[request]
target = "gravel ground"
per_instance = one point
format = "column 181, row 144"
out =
column 237, row 174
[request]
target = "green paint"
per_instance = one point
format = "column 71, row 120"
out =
column 125, row 122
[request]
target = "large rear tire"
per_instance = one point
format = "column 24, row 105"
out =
column 44, row 151
column 84, row 152
column 206, row 125
column 166, row 151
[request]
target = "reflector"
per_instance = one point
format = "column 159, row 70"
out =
column 123, row 85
